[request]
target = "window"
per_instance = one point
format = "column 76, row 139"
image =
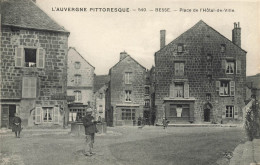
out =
column 229, row 111
column 128, row 114
column 29, row 87
column 225, row 88
column 47, row 114
column 147, row 103
column 128, row 77
column 180, row 48
column 128, row 95
column 179, row 110
column 77, row 79
column 209, row 58
column 230, row 67
column 179, row 68
column 100, row 109
column 77, row 65
column 29, row 57
column 76, row 114
column 100, row 95
column 223, row 48
column 208, row 96
column 78, row 96
column 179, row 90
column 209, row 77
column 147, row 90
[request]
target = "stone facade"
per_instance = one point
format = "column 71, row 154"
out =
column 33, row 69
column 80, row 84
column 99, row 97
column 125, row 94
column 200, row 77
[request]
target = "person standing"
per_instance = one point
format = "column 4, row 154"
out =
column 90, row 130
column 165, row 123
column 17, row 125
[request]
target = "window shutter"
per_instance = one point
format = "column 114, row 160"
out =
column 38, row 111
column 238, row 66
column 33, row 87
column 172, row 86
column 181, row 69
column 25, row 90
column 40, row 57
column 217, row 85
column 79, row 79
column 186, row 90
column 19, row 53
column 235, row 112
column 176, row 69
column 223, row 113
column 223, row 65
column 56, row 115
column 232, row 88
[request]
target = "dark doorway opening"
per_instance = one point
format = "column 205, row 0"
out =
column 206, row 115
column 8, row 113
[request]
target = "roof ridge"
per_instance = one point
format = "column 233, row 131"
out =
column 199, row 22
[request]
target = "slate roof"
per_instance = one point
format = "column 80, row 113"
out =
column 100, row 81
column 26, row 14
column 201, row 22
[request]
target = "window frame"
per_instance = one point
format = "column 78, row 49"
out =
column 180, row 48
column 77, row 65
column 129, row 94
column 229, row 111
column 178, row 69
column 125, row 114
column 77, row 79
column 128, row 77
column 227, row 65
column 78, row 96
column 223, row 48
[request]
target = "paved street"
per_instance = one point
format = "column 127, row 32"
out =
column 125, row 145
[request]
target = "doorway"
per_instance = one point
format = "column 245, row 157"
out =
column 8, row 113
column 207, row 115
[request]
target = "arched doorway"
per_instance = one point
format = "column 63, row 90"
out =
column 207, row 111
column 206, row 115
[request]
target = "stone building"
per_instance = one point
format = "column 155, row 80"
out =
column 200, row 76
column 80, row 84
column 125, row 93
column 33, row 65
column 100, row 88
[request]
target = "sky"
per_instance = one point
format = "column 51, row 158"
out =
column 100, row 36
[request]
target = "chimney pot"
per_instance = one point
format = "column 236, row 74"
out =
column 123, row 55
column 162, row 38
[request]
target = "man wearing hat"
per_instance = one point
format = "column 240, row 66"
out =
column 17, row 125
column 90, row 130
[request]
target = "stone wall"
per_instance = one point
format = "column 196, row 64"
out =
column 51, row 79
column 198, row 42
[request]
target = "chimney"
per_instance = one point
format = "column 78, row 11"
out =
column 236, row 34
column 162, row 38
column 123, row 55
column 34, row 1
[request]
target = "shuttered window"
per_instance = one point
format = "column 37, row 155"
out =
column 128, row 78
column 56, row 115
column 29, row 57
column 77, row 79
column 172, row 94
column 229, row 111
column 38, row 112
column 29, row 87
column 225, row 88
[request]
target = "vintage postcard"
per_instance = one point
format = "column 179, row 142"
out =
column 129, row 82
